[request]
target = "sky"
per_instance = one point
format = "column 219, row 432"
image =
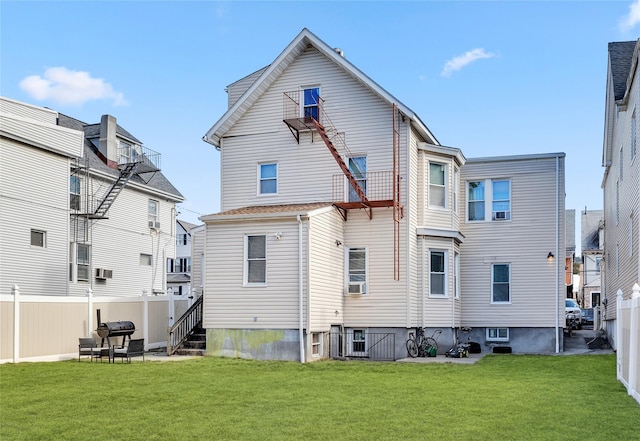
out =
column 491, row 78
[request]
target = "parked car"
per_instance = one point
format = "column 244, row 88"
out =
column 587, row 316
column 571, row 306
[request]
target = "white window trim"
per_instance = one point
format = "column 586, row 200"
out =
column 489, row 200
column 347, row 281
column 259, row 178
column 153, row 217
column 245, row 275
column 456, row 275
column 446, row 273
column 318, row 345
column 302, row 103
column 445, row 186
column 510, row 283
column 498, row 338
column 456, row 189
column 347, row 184
column 350, row 341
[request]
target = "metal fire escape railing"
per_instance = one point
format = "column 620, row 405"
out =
column 131, row 160
column 182, row 328
column 328, row 133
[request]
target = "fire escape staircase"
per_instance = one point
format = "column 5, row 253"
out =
column 125, row 174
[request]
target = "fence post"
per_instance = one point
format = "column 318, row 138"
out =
column 618, row 337
column 172, row 306
column 15, row 290
column 145, row 317
column 90, row 311
column 633, row 340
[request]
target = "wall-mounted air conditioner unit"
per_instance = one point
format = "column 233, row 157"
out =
column 153, row 224
column 501, row 215
column 102, row 273
column 357, row 288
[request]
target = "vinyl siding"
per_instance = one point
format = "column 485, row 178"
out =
column 305, row 170
column 35, row 270
column 50, row 137
column 26, row 111
column 229, row 304
column 385, row 304
column 326, row 271
column 622, row 270
column 197, row 259
column 117, row 242
column 523, row 242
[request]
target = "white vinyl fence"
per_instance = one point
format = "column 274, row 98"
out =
column 628, row 341
column 47, row 328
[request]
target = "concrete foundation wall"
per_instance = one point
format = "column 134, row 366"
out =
column 257, row 344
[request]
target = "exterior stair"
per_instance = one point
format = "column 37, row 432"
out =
column 195, row 344
column 114, row 191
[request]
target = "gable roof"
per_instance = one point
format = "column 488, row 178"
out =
column 269, row 74
column 620, row 59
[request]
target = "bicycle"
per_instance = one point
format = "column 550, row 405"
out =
column 420, row 346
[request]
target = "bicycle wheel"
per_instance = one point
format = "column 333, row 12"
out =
column 412, row 348
column 430, row 343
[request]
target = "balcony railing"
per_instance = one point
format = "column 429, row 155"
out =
column 378, row 187
column 148, row 160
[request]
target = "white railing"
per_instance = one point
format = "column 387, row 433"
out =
column 628, row 341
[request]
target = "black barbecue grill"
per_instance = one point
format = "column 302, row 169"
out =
column 122, row 329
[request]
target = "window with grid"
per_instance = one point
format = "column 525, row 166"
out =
column 83, row 261
column 357, row 270
column 74, row 193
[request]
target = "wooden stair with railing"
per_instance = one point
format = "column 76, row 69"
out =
column 195, row 343
column 186, row 336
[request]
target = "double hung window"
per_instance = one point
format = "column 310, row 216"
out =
column 489, row 196
column 500, row 283
column 153, row 213
column 438, row 273
column 83, row 261
column 357, row 271
column 311, row 101
column 437, row 187
column 358, row 168
column 256, row 260
column 74, row 193
column 268, row 178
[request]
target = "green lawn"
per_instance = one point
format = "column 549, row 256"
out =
column 502, row 397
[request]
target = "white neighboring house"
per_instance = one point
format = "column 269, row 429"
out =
column 345, row 224
column 81, row 206
column 179, row 268
column 592, row 232
column 621, row 181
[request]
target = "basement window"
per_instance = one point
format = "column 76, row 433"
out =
column 497, row 334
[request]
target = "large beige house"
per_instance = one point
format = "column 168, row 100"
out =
column 345, row 224
column 621, row 181
column 88, row 222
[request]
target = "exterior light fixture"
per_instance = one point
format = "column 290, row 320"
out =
column 550, row 255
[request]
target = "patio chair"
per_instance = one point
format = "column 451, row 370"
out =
column 135, row 348
column 88, row 347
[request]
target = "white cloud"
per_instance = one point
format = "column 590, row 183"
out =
column 630, row 20
column 65, row 86
column 457, row 63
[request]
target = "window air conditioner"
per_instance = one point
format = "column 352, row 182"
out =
column 102, row 273
column 153, row 224
column 357, row 288
column 501, row 215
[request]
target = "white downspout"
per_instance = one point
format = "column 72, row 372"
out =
column 301, row 321
column 557, row 276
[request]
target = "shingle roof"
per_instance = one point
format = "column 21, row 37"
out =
column 157, row 182
column 273, row 209
column 620, row 57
